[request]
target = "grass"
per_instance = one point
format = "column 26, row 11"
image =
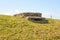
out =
column 18, row 28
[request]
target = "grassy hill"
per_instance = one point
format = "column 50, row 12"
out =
column 17, row 28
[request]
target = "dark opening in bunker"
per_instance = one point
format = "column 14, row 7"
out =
column 36, row 19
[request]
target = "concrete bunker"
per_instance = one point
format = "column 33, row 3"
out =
column 35, row 17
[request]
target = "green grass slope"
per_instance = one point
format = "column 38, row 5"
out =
column 17, row 28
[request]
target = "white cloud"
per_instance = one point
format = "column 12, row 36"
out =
column 6, row 13
column 17, row 11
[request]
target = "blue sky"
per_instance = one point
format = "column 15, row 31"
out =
column 46, row 7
